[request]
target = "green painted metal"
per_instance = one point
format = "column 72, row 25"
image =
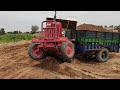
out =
column 97, row 40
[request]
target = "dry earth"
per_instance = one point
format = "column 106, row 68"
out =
column 16, row 64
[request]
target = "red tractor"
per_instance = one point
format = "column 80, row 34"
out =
column 51, row 41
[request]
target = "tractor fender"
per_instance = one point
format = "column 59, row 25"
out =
column 35, row 40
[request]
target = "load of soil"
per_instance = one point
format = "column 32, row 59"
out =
column 92, row 27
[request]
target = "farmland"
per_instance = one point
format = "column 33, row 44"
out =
column 16, row 64
column 15, row 37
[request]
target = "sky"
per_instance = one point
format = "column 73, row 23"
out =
column 23, row 20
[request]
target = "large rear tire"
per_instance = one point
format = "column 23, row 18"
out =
column 68, row 51
column 103, row 55
column 36, row 53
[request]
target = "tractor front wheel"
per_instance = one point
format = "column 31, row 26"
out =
column 68, row 51
column 35, row 52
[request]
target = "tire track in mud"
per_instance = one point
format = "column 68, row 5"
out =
column 16, row 64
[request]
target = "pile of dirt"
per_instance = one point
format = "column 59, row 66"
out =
column 50, row 63
column 16, row 64
column 92, row 27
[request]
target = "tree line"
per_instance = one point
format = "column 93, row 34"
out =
column 34, row 29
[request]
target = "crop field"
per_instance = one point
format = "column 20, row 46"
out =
column 14, row 37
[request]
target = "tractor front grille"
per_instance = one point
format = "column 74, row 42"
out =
column 50, row 33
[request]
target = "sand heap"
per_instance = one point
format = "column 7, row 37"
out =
column 92, row 27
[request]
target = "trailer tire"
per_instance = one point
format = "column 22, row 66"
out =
column 36, row 55
column 103, row 55
column 68, row 51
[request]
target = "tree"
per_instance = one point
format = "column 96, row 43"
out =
column 19, row 32
column 105, row 26
column 27, row 32
column 2, row 31
column 10, row 32
column 15, row 32
column 115, row 27
column 34, row 29
column 119, row 27
column 111, row 26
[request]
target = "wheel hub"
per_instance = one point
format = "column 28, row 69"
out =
column 69, row 50
column 37, row 51
column 104, row 55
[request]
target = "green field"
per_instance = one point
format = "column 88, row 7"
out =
column 15, row 37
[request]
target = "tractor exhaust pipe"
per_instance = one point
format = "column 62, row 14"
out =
column 55, row 16
column 55, row 24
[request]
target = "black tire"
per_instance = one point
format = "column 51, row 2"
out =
column 66, row 57
column 103, row 55
column 31, row 54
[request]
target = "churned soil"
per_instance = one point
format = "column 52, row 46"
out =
column 16, row 64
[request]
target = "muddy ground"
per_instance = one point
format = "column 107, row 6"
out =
column 16, row 64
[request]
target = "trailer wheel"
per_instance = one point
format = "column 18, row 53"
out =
column 36, row 53
column 103, row 55
column 68, row 51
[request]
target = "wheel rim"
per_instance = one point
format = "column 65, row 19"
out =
column 69, row 50
column 104, row 55
column 37, row 52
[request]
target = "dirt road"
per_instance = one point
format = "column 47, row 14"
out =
column 16, row 64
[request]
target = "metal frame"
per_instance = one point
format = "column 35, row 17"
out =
column 53, row 35
column 89, row 47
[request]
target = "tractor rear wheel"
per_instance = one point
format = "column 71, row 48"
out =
column 35, row 52
column 103, row 55
column 68, row 51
